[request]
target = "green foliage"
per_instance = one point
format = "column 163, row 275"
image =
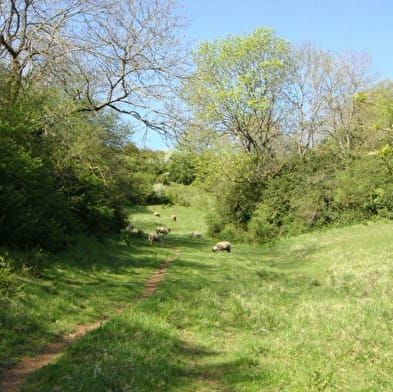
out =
column 64, row 171
column 303, row 194
column 10, row 284
column 376, row 108
column 188, row 195
column 53, row 171
column 159, row 195
column 294, row 128
column 237, row 85
column 238, row 181
column 263, row 226
column 30, row 210
column 136, row 173
column 181, row 167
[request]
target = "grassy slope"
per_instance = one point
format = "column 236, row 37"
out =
column 311, row 313
column 89, row 282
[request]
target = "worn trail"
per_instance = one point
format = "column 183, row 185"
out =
column 14, row 377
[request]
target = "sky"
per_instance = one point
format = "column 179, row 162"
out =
column 363, row 26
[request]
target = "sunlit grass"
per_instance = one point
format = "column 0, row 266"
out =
column 91, row 281
column 310, row 313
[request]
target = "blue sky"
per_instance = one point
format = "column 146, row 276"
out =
column 336, row 25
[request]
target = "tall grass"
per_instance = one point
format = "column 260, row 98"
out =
column 309, row 313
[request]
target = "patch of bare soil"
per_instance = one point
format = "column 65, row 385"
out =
column 152, row 284
column 14, row 377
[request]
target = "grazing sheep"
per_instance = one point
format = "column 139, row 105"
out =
column 140, row 233
column 154, row 238
column 130, row 227
column 156, row 214
column 221, row 246
column 173, row 217
column 163, row 230
column 197, row 234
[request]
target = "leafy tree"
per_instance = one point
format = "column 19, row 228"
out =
column 65, row 66
column 233, row 177
column 181, row 167
column 237, row 87
column 375, row 106
column 53, row 170
column 138, row 171
column 196, row 138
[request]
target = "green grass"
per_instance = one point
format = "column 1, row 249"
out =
column 89, row 282
column 309, row 313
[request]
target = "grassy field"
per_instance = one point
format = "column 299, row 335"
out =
column 310, row 313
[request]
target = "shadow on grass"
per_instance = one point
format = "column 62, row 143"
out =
column 89, row 281
column 139, row 352
column 20, row 334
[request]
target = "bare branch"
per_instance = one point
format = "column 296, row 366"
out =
column 123, row 55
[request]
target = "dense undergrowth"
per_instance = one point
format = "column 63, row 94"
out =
column 320, row 190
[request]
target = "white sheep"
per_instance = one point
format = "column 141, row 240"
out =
column 163, row 230
column 221, row 246
column 197, row 234
column 130, row 227
column 156, row 214
column 154, row 238
column 173, row 217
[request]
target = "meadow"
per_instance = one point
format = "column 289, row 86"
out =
column 306, row 313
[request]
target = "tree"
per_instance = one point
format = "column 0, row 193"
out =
column 55, row 171
column 304, row 118
column 376, row 115
column 322, row 96
column 237, row 87
column 124, row 54
column 182, row 167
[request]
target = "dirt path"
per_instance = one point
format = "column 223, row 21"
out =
column 14, row 377
column 152, row 284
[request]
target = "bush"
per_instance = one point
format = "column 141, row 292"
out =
column 232, row 233
column 54, row 176
column 182, row 168
column 262, row 227
column 159, row 195
column 10, row 286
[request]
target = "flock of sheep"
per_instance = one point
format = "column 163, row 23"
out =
column 156, row 238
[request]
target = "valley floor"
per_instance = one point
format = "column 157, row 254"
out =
column 309, row 313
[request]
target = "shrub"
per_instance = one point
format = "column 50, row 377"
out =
column 182, row 168
column 262, row 227
column 10, row 286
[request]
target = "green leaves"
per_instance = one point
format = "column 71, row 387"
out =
column 54, row 166
column 237, row 84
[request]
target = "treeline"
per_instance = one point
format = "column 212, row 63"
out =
column 62, row 171
column 299, row 194
column 70, row 72
column 295, row 138
column 287, row 138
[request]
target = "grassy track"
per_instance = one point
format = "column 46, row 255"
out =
column 311, row 313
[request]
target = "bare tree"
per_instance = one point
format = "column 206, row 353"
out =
column 304, row 118
column 321, row 97
column 125, row 55
column 346, row 76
